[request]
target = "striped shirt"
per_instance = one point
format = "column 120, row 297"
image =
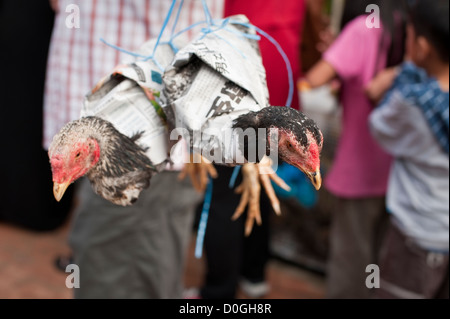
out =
column 78, row 59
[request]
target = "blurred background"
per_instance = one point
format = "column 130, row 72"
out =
column 34, row 228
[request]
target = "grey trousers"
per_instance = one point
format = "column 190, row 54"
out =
column 409, row 271
column 136, row 251
column 357, row 230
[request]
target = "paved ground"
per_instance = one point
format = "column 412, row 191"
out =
column 27, row 269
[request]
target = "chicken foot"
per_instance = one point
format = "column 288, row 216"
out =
column 253, row 175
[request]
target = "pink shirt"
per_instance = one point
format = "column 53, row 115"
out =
column 361, row 167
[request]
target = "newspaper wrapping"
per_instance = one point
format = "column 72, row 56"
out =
column 214, row 79
column 130, row 98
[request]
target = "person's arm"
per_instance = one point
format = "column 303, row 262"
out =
column 54, row 4
column 345, row 57
column 320, row 74
column 394, row 125
column 381, row 83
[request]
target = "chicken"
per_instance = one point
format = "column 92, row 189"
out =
column 299, row 142
column 196, row 95
column 119, row 169
column 115, row 164
column 221, row 96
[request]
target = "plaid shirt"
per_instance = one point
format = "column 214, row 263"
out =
column 78, row 59
column 424, row 92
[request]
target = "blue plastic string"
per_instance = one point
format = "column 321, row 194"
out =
column 207, row 13
column 224, row 22
column 242, row 34
column 176, row 18
column 234, row 176
column 203, row 219
column 282, row 53
column 187, row 29
column 166, row 20
column 174, row 48
column 208, row 29
column 150, row 57
column 210, row 23
column 122, row 50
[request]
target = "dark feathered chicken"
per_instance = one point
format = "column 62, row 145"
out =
column 119, row 169
column 299, row 139
column 115, row 164
column 299, row 143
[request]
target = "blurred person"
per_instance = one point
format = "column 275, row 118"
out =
column 316, row 32
column 122, row 252
column 233, row 260
column 412, row 124
column 26, row 195
column 359, row 173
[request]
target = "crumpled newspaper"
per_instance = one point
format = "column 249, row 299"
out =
column 130, row 98
column 204, row 86
column 210, row 82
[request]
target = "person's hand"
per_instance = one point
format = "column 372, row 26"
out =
column 198, row 170
column 327, row 38
column 54, row 4
column 253, row 175
column 380, row 84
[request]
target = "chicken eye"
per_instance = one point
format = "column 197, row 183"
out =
column 289, row 146
column 77, row 155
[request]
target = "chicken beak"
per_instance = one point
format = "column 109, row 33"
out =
column 316, row 179
column 59, row 189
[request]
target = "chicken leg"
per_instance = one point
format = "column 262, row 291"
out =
column 253, row 175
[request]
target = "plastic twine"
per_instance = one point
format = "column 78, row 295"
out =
column 151, row 56
column 282, row 53
column 203, row 219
